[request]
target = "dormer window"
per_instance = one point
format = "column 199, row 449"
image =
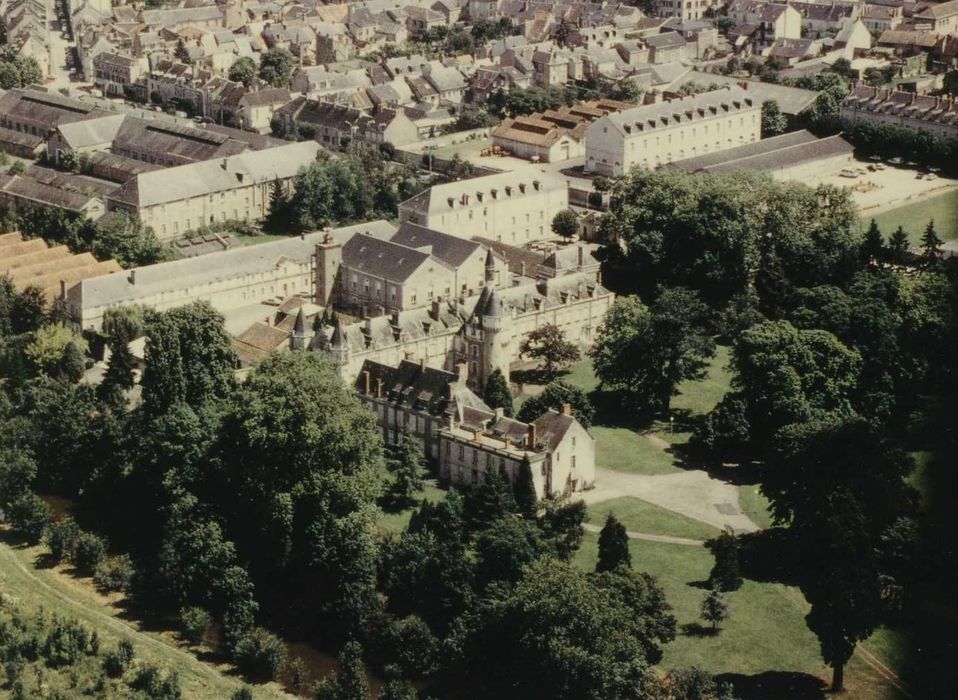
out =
column 451, row 202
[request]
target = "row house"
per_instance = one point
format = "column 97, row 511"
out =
column 906, row 110
column 115, row 74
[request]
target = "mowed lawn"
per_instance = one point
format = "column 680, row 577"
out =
column 622, row 447
column 914, row 217
column 641, row 516
column 765, row 635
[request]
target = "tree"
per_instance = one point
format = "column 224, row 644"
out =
column 73, row 363
column 121, row 326
column 566, row 224
column 873, row 247
column 950, row 82
column 524, row 489
column 194, row 624
column 497, row 394
column 277, row 218
column 786, row 375
column 50, row 344
column 114, row 574
column 613, row 546
column 28, row 515
column 260, row 654
column 548, row 344
column 61, row 536
column 823, row 116
column 349, row 683
column 931, row 254
column 89, row 551
column 773, row 121
column 898, row 247
column 398, row 690
column 714, row 608
column 181, row 53
column 725, row 575
column 840, row 580
column 648, row 352
column 406, row 466
column 561, row 526
column 558, row 634
column 276, row 67
column 243, row 71
column 695, row 683
column 124, row 238
column 555, row 397
column 189, row 358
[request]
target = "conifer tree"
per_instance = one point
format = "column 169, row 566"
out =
column 873, row 247
column 930, row 247
column 73, row 363
column 725, row 575
column 898, row 247
column 407, row 467
column 524, row 489
column 613, row 546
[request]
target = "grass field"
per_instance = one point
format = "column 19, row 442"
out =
column 765, row 637
column 50, row 589
column 396, row 520
column 640, row 516
column 754, row 505
column 914, row 217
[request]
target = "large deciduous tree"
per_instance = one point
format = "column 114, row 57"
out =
column 555, row 397
column 497, row 394
column 647, row 352
column 548, row 344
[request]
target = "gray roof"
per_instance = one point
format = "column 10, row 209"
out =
column 768, row 154
column 791, row 100
column 221, row 175
column 206, row 269
column 664, row 113
column 450, row 249
column 385, row 259
column 91, row 132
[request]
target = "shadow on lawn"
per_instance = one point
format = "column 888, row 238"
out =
column 775, row 685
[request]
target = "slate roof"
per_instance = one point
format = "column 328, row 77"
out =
column 413, row 386
column 206, row 269
column 384, row 259
column 452, row 250
column 174, row 142
column 551, row 428
column 91, row 132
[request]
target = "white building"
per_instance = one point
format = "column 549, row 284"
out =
column 227, row 280
column 237, row 188
column 515, row 207
column 652, row 135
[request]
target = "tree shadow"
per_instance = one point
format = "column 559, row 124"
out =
column 694, row 629
column 701, row 585
column 769, row 556
column 775, row 685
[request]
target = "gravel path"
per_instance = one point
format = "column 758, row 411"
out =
column 691, row 493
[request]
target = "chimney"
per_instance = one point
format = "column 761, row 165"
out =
column 581, row 257
column 500, row 412
column 132, row 276
column 302, row 235
column 434, row 310
column 267, row 321
column 531, row 438
column 463, row 370
column 422, row 364
column 366, row 382
column 63, row 289
column 567, row 409
column 522, row 268
column 379, row 388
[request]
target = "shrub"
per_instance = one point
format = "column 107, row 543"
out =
column 66, row 642
column 194, row 624
column 88, row 553
column 260, row 654
column 28, row 516
column 244, row 693
column 114, row 574
column 61, row 536
column 155, row 685
column 116, row 661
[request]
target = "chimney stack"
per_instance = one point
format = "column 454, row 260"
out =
column 500, row 412
column 379, row 388
column 567, row 409
column 63, row 289
column 531, row 439
column 132, row 276
column 463, row 370
column 266, row 321
column 366, row 382
column 522, row 268
column 422, row 364
column 581, row 257
column 434, row 310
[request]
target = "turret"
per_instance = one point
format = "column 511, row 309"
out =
column 302, row 333
column 497, row 335
column 490, row 276
column 338, row 344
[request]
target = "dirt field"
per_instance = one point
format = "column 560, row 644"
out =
column 886, row 189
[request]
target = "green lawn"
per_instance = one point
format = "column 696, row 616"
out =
column 640, row 516
column 245, row 240
column 699, row 397
column 914, row 217
column 754, row 505
column 765, row 632
column 625, row 450
column 391, row 520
